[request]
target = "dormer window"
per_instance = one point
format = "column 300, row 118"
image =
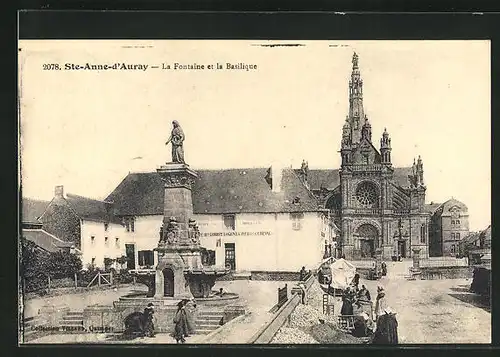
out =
column 296, row 201
column 296, row 219
column 229, row 221
column 129, row 223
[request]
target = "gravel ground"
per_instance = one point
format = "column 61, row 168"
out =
column 290, row 335
column 305, row 326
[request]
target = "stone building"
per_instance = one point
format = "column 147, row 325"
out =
column 32, row 228
column 375, row 205
column 449, row 225
column 255, row 219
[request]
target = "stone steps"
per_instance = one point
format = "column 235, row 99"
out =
column 33, row 328
column 207, row 321
column 72, row 322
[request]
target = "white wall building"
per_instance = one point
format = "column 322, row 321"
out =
column 247, row 221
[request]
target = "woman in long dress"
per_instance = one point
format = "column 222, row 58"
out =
column 177, row 138
column 180, row 322
column 188, row 326
column 381, row 303
column 149, row 328
column 386, row 332
column 347, row 301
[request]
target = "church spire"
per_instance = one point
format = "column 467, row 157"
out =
column 356, row 111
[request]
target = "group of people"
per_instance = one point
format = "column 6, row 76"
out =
column 383, row 330
column 354, row 296
column 141, row 324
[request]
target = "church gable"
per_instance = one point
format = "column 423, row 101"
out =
column 366, row 154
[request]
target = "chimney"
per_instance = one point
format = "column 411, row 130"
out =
column 59, row 192
column 276, row 175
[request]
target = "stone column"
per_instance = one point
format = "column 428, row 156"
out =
column 178, row 180
column 177, row 251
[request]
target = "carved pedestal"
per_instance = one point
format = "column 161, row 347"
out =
column 170, row 280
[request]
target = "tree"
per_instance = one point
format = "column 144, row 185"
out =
column 62, row 265
column 32, row 269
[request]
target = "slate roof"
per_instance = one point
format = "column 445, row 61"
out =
column 431, row 207
column 470, row 238
column 216, row 192
column 487, row 233
column 445, row 207
column 92, row 209
column 45, row 240
column 32, row 209
column 330, row 179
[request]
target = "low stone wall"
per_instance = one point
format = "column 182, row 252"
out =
column 433, row 273
column 275, row 275
column 267, row 332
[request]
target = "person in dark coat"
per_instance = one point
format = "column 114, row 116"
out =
column 364, row 294
column 303, row 274
column 363, row 326
column 384, row 269
column 180, row 322
column 347, row 301
column 386, row 332
column 149, row 328
column 355, row 281
column 188, row 311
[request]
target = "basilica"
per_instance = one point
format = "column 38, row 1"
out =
column 374, row 205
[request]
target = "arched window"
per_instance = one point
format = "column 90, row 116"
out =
column 422, row 233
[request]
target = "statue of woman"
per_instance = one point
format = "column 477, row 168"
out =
column 177, row 138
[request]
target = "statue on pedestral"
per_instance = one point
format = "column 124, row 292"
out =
column 177, row 139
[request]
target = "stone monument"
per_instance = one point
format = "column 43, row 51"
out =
column 180, row 273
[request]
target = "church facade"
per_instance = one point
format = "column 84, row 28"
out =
column 375, row 205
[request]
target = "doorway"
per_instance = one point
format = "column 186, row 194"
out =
column 168, row 282
column 130, row 253
column 402, row 248
column 367, row 248
column 230, row 256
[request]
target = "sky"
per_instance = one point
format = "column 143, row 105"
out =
column 87, row 130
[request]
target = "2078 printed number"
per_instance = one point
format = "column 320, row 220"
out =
column 51, row 67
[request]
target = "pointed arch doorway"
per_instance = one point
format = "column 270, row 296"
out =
column 367, row 236
column 168, row 282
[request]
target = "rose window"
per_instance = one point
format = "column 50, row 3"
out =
column 366, row 195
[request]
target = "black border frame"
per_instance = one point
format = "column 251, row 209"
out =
column 308, row 25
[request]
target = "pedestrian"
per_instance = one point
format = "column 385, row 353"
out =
column 302, row 287
column 149, row 328
column 347, row 301
column 355, row 281
column 303, row 274
column 180, row 321
column 189, row 307
column 363, row 326
column 364, row 294
column 381, row 303
column 384, row 269
column 386, row 332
